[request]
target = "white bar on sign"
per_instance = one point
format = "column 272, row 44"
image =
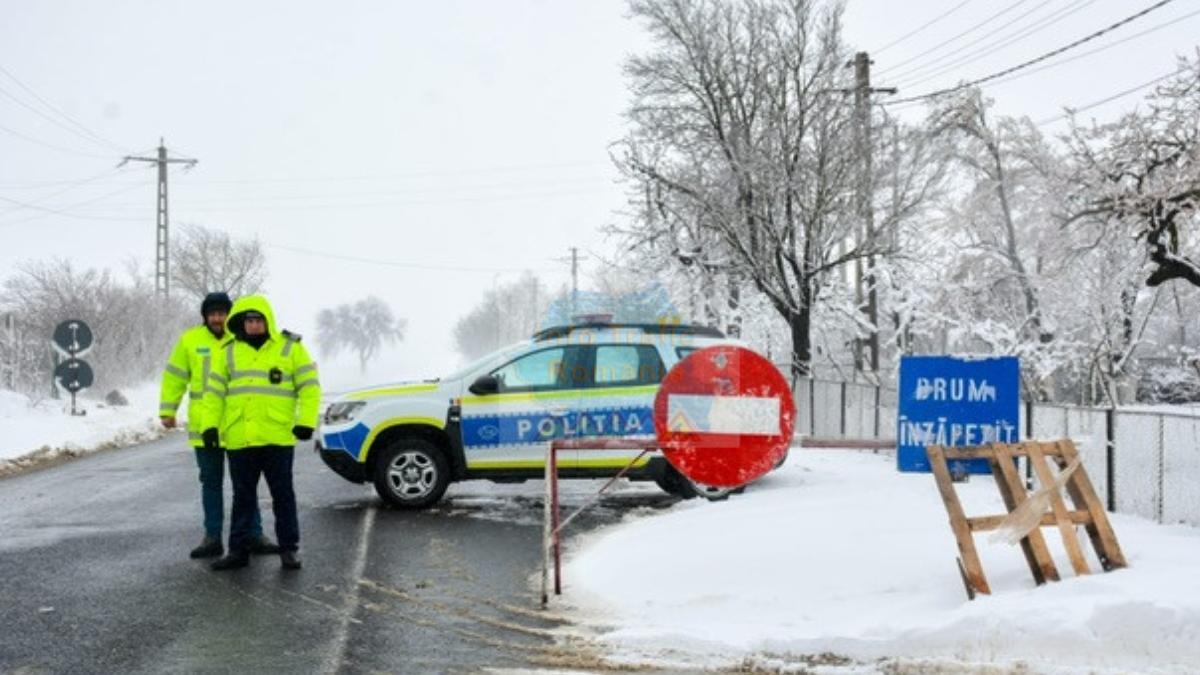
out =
column 745, row 415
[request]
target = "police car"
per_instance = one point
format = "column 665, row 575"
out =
column 493, row 418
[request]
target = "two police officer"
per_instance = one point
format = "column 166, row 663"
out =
column 187, row 372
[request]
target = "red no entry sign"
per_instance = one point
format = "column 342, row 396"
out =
column 724, row 416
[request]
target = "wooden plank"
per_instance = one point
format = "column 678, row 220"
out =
column 1065, row 527
column 1099, row 529
column 988, row 523
column 962, row 573
column 984, row 451
column 1033, row 545
column 967, row 452
column 972, row 567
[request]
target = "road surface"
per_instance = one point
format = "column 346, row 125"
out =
column 95, row 576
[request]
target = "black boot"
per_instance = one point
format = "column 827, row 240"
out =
column 263, row 546
column 232, row 561
column 209, row 548
column 290, row 560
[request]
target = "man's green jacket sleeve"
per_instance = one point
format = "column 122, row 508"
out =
column 308, row 387
column 175, row 379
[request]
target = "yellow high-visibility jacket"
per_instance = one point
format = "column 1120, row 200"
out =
column 243, row 402
column 187, row 372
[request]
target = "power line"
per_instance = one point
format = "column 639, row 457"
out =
column 939, row 45
column 48, row 118
column 51, row 145
column 1036, row 60
column 907, row 78
column 60, row 113
column 414, row 174
column 1108, row 99
column 449, row 199
column 70, row 186
column 401, row 264
column 922, row 27
column 45, row 211
column 1099, row 49
column 1081, row 55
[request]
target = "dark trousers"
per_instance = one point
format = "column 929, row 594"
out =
column 212, row 478
column 245, row 467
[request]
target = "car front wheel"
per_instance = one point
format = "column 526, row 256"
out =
column 411, row 473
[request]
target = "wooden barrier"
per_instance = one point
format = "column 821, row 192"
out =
column 1088, row 510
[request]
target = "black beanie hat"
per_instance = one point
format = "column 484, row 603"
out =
column 214, row 301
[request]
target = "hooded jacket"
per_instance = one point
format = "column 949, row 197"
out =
column 254, row 397
column 187, row 372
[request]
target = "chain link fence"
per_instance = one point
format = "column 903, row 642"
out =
column 1144, row 463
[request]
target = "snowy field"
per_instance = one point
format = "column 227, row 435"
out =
column 33, row 432
column 837, row 563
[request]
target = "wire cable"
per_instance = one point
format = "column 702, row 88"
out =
column 4, row 92
column 59, row 148
column 46, row 211
column 939, row 45
column 1021, row 66
column 1073, row 58
column 922, row 27
column 414, row 174
column 405, row 265
column 70, row 186
column 1108, row 99
column 921, row 74
column 60, row 113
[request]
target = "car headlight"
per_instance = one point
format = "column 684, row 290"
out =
column 343, row 411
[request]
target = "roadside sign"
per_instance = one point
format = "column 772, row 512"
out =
column 955, row 401
column 73, row 375
column 724, row 416
column 73, row 337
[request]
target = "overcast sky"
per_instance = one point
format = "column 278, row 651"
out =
column 453, row 143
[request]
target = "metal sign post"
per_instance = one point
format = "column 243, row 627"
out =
column 73, row 338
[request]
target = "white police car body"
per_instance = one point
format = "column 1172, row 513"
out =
column 493, row 418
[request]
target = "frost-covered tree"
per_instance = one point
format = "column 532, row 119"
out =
column 133, row 326
column 205, row 259
column 505, row 314
column 362, row 328
column 1140, row 176
column 746, row 152
column 743, row 161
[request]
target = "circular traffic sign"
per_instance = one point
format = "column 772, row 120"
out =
column 74, row 375
column 724, row 416
column 73, row 337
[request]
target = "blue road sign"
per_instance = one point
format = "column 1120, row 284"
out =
column 955, row 401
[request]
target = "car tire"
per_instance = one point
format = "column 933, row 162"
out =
column 675, row 483
column 411, row 473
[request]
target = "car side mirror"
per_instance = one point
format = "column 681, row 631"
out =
column 484, row 384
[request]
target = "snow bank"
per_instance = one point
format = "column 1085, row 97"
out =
column 838, row 555
column 34, row 432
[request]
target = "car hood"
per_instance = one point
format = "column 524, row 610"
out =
column 392, row 389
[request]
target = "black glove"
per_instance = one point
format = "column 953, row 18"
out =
column 212, row 441
column 303, row 433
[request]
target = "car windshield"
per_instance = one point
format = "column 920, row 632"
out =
column 498, row 355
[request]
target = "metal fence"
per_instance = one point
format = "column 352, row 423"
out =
column 1142, row 463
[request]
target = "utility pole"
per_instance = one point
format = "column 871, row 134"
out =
column 162, row 263
column 862, row 113
column 575, row 257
